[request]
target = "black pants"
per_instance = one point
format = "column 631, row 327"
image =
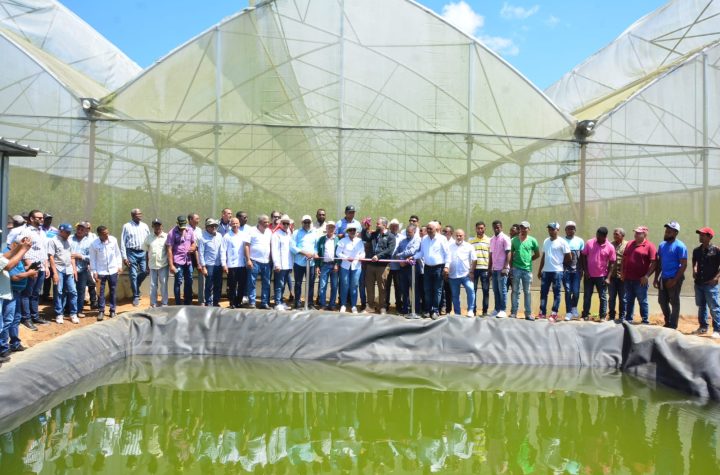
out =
column 237, row 283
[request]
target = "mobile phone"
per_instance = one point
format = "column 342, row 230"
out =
column 34, row 266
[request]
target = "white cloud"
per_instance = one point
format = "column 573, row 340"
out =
column 463, row 16
column 512, row 12
column 503, row 46
column 469, row 21
column 552, row 21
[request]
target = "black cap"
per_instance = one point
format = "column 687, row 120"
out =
column 349, row 208
column 156, row 221
column 602, row 230
column 47, row 215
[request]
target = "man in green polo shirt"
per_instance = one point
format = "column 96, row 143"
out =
column 523, row 250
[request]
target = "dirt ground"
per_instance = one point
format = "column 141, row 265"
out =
column 52, row 330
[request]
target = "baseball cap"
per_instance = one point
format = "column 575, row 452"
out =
column 641, row 229
column 18, row 220
column 182, row 222
column 285, row 218
column 351, row 226
column 306, row 217
column 211, row 222
column 330, row 223
column 570, row 223
column 47, row 215
column 83, row 224
column 706, row 230
column 349, row 208
column 156, row 221
column 524, row 224
column 67, row 227
column 552, row 225
column 673, row 225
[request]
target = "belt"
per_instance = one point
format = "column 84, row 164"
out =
column 435, row 266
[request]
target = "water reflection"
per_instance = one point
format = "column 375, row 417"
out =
column 152, row 428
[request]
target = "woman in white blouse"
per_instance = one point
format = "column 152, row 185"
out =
column 350, row 249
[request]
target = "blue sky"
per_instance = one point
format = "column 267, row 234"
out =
column 543, row 39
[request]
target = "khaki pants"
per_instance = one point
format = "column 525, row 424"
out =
column 376, row 273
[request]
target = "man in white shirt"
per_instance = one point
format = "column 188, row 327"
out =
column 462, row 267
column 64, row 273
column 106, row 265
column 556, row 254
column 157, row 262
column 257, row 258
column 234, row 263
column 132, row 238
column 282, row 259
column 435, row 254
column 37, row 253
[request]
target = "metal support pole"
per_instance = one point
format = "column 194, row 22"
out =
column 90, row 193
column 218, row 114
column 4, row 192
column 308, row 268
column 583, row 168
column 412, row 292
column 706, row 151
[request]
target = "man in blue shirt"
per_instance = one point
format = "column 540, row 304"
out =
column 303, row 245
column 670, row 273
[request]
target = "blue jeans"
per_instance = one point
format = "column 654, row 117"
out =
column 469, row 292
column 138, row 270
column 263, row 270
column 65, row 294
column 708, row 296
column 328, row 274
column 281, row 278
column 590, row 284
column 521, row 279
column 556, row 280
column 10, row 322
column 571, row 282
column 159, row 278
column 433, row 283
column 183, row 275
column 634, row 290
column 213, row 285
column 299, row 274
column 349, row 280
column 483, row 276
column 616, row 291
column 500, row 288
column 405, row 286
column 31, row 295
column 112, row 285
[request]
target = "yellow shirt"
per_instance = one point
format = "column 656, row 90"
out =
column 482, row 251
column 157, row 252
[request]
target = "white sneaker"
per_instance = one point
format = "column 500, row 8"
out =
column 575, row 312
column 494, row 313
column 343, row 309
column 280, row 307
column 244, row 301
column 383, row 311
column 471, row 314
column 569, row 316
column 59, row 320
column 354, row 310
column 74, row 318
column 501, row 314
column 715, row 335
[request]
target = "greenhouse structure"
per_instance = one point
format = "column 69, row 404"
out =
column 299, row 104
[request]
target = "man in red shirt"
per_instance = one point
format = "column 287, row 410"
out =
column 638, row 264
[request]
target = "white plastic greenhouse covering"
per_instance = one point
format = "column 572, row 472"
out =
column 299, row 104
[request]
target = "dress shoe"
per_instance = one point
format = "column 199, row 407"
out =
column 29, row 324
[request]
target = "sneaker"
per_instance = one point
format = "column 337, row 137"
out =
column 644, row 323
column 40, row 321
column 512, row 315
column 265, row 306
column 569, row 316
column 244, row 301
column 470, row 314
column 541, row 316
column 74, row 319
column 281, row 307
column 112, row 313
column 425, row 315
column 575, row 312
column 412, row 316
column 101, row 316
column 81, row 315
column 355, row 310
column 435, row 316
column 136, row 302
column 501, row 314
column 343, row 309
column 552, row 318
column 700, row 331
column 59, row 319
column 715, row 335
column 383, row 311
column 530, row 318
column 494, row 313
column 18, row 348
column 29, row 324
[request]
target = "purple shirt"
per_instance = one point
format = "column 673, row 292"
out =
column 499, row 245
column 180, row 243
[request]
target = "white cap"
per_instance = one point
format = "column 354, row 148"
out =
column 394, row 221
column 570, row 223
column 285, row 218
column 306, row 217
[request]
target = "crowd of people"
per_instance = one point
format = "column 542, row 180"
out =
column 355, row 260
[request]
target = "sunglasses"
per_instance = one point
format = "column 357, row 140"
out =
column 285, row 224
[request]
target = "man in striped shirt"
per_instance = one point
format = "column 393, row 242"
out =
column 134, row 257
column 481, row 243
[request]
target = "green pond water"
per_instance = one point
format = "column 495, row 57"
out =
column 226, row 416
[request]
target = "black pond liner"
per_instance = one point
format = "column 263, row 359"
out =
column 363, row 347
